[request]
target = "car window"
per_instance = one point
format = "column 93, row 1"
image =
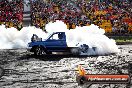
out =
column 54, row 37
column 58, row 36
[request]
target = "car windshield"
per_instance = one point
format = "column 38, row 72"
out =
column 48, row 36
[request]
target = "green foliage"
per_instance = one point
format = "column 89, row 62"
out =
column 123, row 39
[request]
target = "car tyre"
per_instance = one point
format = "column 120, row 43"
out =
column 39, row 51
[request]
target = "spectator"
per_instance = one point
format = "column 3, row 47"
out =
column 11, row 12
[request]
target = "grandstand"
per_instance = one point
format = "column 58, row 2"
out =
column 11, row 13
column 112, row 15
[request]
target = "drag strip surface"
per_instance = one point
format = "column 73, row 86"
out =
column 24, row 70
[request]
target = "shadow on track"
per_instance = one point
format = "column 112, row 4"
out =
column 56, row 57
column 53, row 57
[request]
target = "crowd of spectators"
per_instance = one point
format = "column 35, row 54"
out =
column 112, row 14
column 44, row 11
column 11, row 13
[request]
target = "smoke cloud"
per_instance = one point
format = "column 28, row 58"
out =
column 11, row 38
column 92, row 36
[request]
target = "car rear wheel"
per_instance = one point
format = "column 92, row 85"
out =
column 84, row 48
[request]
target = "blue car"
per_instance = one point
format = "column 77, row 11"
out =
column 56, row 42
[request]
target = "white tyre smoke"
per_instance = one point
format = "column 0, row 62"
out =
column 94, row 37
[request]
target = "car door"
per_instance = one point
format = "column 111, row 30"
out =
column 57, row 42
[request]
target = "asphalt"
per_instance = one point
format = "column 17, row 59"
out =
column 24, row 70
